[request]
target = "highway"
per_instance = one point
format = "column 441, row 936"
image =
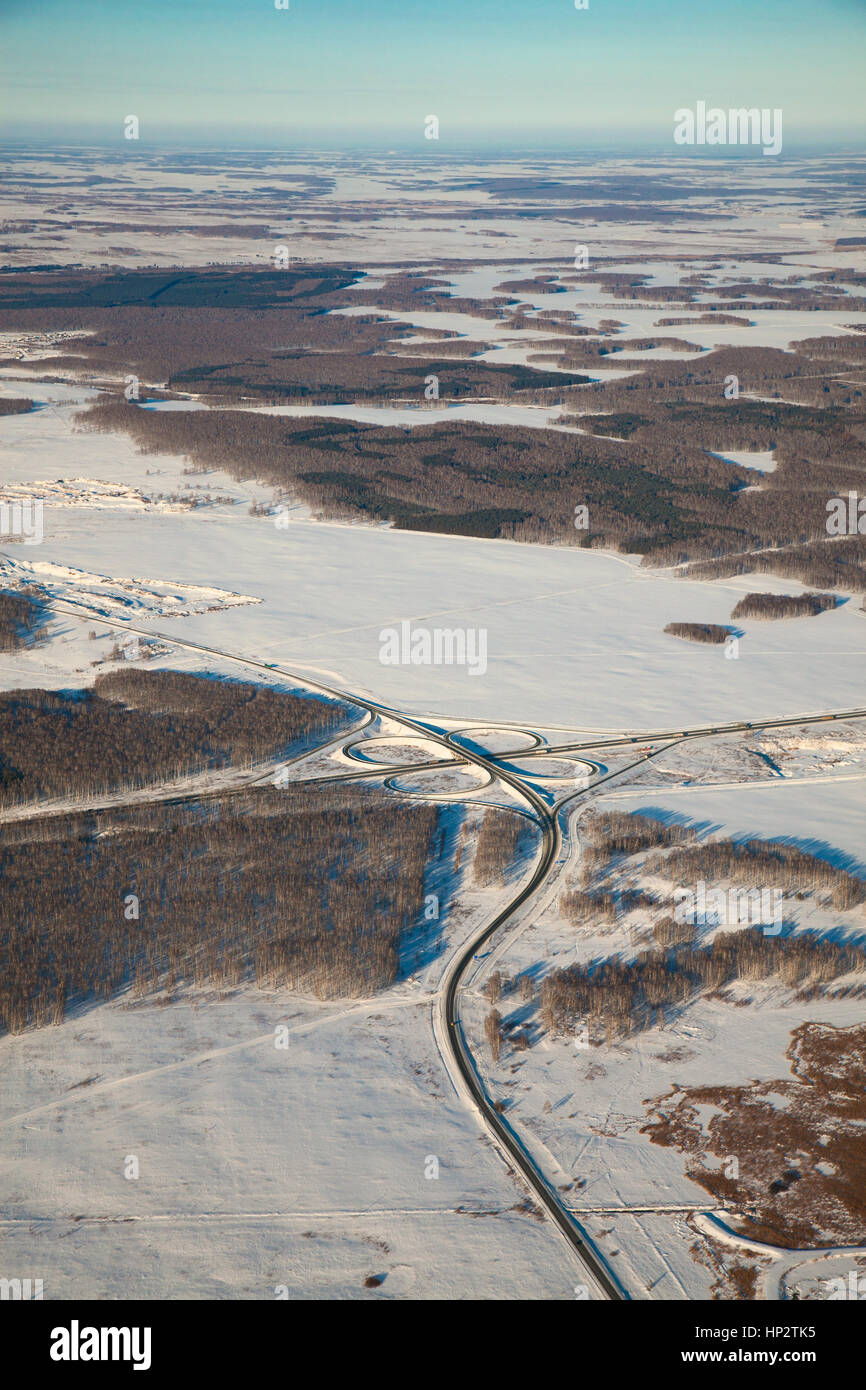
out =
column 600, row 1276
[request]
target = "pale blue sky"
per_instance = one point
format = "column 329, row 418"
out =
column 500, row 73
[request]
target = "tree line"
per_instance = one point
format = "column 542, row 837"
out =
column 617, row 998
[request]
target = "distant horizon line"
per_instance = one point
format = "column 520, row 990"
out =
column 556, row 149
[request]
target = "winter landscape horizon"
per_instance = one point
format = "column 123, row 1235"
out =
column 432, row 664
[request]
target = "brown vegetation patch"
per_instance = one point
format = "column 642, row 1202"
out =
column 780, row 1131
column 269, row 335
column 501, row 839
column 769, row 863
column 619, row 997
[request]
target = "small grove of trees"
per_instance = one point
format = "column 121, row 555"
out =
column 620, row 998
column 20, row 620
column 602, row 909
column 617, row 832
column 783, row 605
column 699, row 632
column 493, row 988
column 493, row 1032
column 762, row 863
column 669, row 932
column 498, row 846
column 681, row 858
column 622, row 832
column 841, row 565
column 578, row 907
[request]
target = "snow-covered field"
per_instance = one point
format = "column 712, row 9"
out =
column 150, row 1150
column 301, row 1167
column 574, row 637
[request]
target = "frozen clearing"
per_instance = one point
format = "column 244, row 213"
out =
column 762, row 460
column 404, row 416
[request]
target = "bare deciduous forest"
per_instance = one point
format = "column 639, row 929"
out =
column 677, row 854
column 839, row 564
column 656, row 488
column 501, row 839
column 771, row 863
column 619, row 998
column 136, row 727
column 269, row 887
column 606, row 833
column 21, row 619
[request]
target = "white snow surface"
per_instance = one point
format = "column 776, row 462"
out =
column 574, row 637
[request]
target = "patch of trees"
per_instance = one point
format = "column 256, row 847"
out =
column 21, row 619
column 699, row 632
column 539, row 284
column 657, row 493
column 783, row 605
column 191, row 288
column 669, row 932
column 136, row 322
column 840, row 564
column 280, row 889
column 343, row 377
column 458, row 477
column 15, row 405
column 493, row 1032
column 618, row 998
column 619, row 423
column 579, row 908
column 704, row 318
column 501, row 841
column 522, row 188
column 407, row 291
column 601, row 909
column 623, row 832
column 681, row 857
column 604, row 834
column 138, row 727
column 770, row 863
column 647, row 344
